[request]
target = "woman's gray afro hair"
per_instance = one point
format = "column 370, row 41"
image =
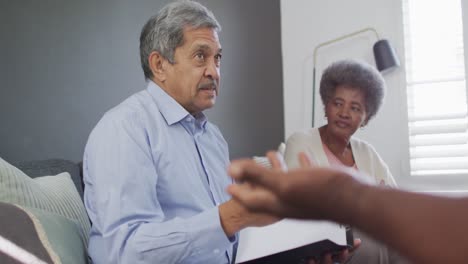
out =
column 357, row 75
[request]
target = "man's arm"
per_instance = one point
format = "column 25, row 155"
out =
column 424, row 228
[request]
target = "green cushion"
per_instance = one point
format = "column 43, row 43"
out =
column 48, row 236
column 55, row 194
column 64, row 235
column 19, row 229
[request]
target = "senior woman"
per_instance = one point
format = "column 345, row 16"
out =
column 352, row 93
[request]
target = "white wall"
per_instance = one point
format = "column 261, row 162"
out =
column 465, row 33
column 305, row 24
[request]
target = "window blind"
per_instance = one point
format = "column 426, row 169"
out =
column 436, row 87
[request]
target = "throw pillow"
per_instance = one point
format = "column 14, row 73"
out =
column 39, row 168
column 55, row 194
column 36, row 233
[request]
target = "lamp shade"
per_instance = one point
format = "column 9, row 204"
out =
column 385, row 56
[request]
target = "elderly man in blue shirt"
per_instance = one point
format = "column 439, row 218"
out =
column 154, row 167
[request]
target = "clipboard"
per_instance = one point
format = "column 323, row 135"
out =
column 291, row 241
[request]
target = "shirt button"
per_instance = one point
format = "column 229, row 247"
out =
column 216, row 251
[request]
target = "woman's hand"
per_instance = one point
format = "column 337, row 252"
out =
column 342, row 257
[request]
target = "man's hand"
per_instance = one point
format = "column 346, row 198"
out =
column 235, row 216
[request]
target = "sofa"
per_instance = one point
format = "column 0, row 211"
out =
column 42, row 215
column 40, row 168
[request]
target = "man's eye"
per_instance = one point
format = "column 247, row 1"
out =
column 218, row 59
column 200, row 56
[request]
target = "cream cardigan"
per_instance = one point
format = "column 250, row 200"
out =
column 366, row 158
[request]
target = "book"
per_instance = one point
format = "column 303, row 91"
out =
column 291, row 241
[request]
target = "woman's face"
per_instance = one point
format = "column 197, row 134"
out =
column 345, row 111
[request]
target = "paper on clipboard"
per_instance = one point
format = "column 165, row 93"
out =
column 257, row 242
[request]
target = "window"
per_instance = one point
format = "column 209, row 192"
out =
column 436, row 87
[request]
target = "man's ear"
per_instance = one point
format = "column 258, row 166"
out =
column 157, row 64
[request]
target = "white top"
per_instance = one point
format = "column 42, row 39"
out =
column 367, row 159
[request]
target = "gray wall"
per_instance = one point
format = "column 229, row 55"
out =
column 64, row 63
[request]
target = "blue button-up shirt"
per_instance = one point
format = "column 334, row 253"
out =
column 154, row 177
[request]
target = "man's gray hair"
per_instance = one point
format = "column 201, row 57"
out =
column 357, row 75
column 164, row 32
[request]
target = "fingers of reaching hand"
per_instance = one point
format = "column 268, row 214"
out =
column 276, row 160
column 248, row 170
column 253, row 197
column 257, row 186
column 304, row 160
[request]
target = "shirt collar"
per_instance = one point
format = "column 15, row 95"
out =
column 170, row 109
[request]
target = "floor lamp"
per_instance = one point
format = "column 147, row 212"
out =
column 384, row 54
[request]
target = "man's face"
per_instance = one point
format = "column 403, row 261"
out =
column 193, row 80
